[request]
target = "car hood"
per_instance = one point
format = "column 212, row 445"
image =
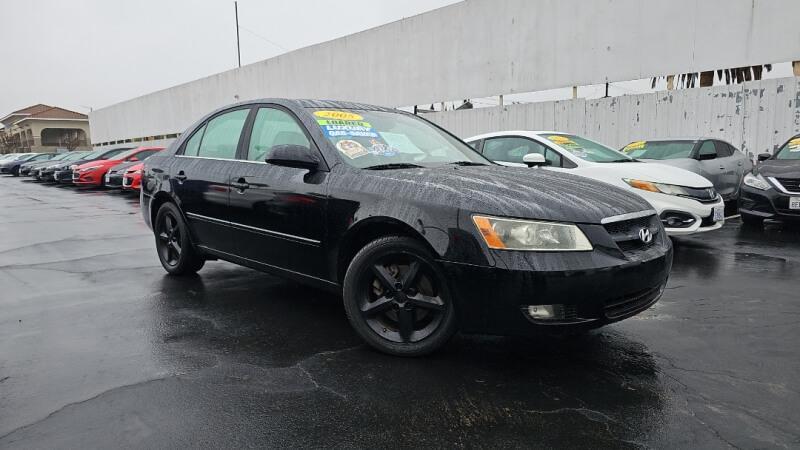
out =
column 120, row 168
column 779, row 168
column 504, row 191
column 654, row 172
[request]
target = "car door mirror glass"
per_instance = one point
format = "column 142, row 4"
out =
column 706, row 156
column 764, row 156
column 292, row 155
column 534, row 159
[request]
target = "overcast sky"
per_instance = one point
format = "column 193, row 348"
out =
column 92, row 53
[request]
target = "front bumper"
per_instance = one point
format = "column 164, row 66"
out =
column 114, row 180
column 591, row 289
column 93, row 178
column 768, row 204
column 701, row 214
column 5, row 170
column 63, row 176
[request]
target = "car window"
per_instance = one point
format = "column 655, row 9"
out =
column 708, row 150
column 113, row 153
column 723, row 149
column 273, row 127
column 221, row 136
column 144, row 154
column 193, row 144
column 790, row 150
column 513, row 149
column 476, row 145
column 660, row 150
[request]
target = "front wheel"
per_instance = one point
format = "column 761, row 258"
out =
column 396, row 297
column 175, row 249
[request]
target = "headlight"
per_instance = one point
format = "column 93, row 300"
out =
column 530, row 235
column 669, row 189
column 756, row 181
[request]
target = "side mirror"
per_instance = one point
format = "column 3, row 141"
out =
column 706, row 157
column 764, row 156
column 534, row 159
column 291, row 155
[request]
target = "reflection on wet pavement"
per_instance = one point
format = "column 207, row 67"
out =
column 99, row 348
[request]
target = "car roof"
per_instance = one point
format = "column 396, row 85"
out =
column 527, row 133
column 313, row 103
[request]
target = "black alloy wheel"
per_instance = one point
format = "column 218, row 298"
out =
column 397, row 299
column 175, row 249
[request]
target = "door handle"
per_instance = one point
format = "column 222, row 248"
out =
column 240, row 185
column 181, row 176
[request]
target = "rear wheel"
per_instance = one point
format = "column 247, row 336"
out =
column 396, row 298
column 752, row 221
column 173, row 243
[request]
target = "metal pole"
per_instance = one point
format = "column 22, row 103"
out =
column 238, row 49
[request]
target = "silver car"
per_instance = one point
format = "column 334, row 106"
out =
column 717, row 160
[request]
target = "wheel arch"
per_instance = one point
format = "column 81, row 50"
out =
column 365, row 231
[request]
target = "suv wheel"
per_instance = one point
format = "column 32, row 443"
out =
column 175, row 249
column 396, row 297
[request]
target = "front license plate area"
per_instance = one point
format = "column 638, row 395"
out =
column 719, row 213
column 794, row 202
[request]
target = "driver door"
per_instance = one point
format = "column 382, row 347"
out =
column 710, row 165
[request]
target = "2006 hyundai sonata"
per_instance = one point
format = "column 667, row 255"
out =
column 421, row 234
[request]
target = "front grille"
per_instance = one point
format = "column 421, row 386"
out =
column 703, row 195
column 631, row 303
column 790, row 184
column 625, row 234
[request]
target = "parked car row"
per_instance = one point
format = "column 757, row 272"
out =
column 110, row 168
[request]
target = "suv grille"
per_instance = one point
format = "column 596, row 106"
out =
column 625, row 234
column 790, row 184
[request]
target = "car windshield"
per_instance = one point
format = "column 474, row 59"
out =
column 23, row 156
column 791, row 150
column 77, row 155
column 124, row 155
column 659, row 149
column 93, row 155
column 59, row 157
column 391, row 140
column 587, row 150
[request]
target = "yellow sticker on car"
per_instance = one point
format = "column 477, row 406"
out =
column 638, row 145
column 794, row 145
column 339, row 115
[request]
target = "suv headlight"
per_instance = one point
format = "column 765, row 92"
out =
column 531, row 235
column 756, row 181
column 669, row 189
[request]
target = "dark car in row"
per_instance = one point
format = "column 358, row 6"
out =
column 772, row 189
column 419, row 233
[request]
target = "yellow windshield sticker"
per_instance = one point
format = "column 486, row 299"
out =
column 794, row 145
column 338, row 115
column 638, row 145
column 562, row 140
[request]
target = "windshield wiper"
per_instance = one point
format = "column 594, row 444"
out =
column 624, row 160
column 467, row 163
column 390, row 166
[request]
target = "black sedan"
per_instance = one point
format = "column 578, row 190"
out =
column 420, row 234
column 47, row 172
column 772, row 190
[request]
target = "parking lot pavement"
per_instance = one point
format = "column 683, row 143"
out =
column 98, row 348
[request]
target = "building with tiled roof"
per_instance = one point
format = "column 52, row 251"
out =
column 44, row 128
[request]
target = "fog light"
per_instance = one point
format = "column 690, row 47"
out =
column 544, row 312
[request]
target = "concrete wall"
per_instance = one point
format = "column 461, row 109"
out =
column 480, row 48
column 755, row 116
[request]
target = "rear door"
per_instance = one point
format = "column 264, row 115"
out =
column 278, row 212
column 200, row 176
column 711, row 167
column 729, row 178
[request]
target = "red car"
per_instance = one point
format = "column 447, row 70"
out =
column 93, row 173
column 132, row 180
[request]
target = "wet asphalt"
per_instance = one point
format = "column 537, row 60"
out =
column 100, row 349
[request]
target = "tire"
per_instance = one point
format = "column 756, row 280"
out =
column 395, row 315
column 752, row 221
column 174, row 246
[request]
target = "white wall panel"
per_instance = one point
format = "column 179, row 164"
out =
column 480, row 48
column 757, row 116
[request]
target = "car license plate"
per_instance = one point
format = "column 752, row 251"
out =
column 719, row 213
column 108, row 178
column 794, row 203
